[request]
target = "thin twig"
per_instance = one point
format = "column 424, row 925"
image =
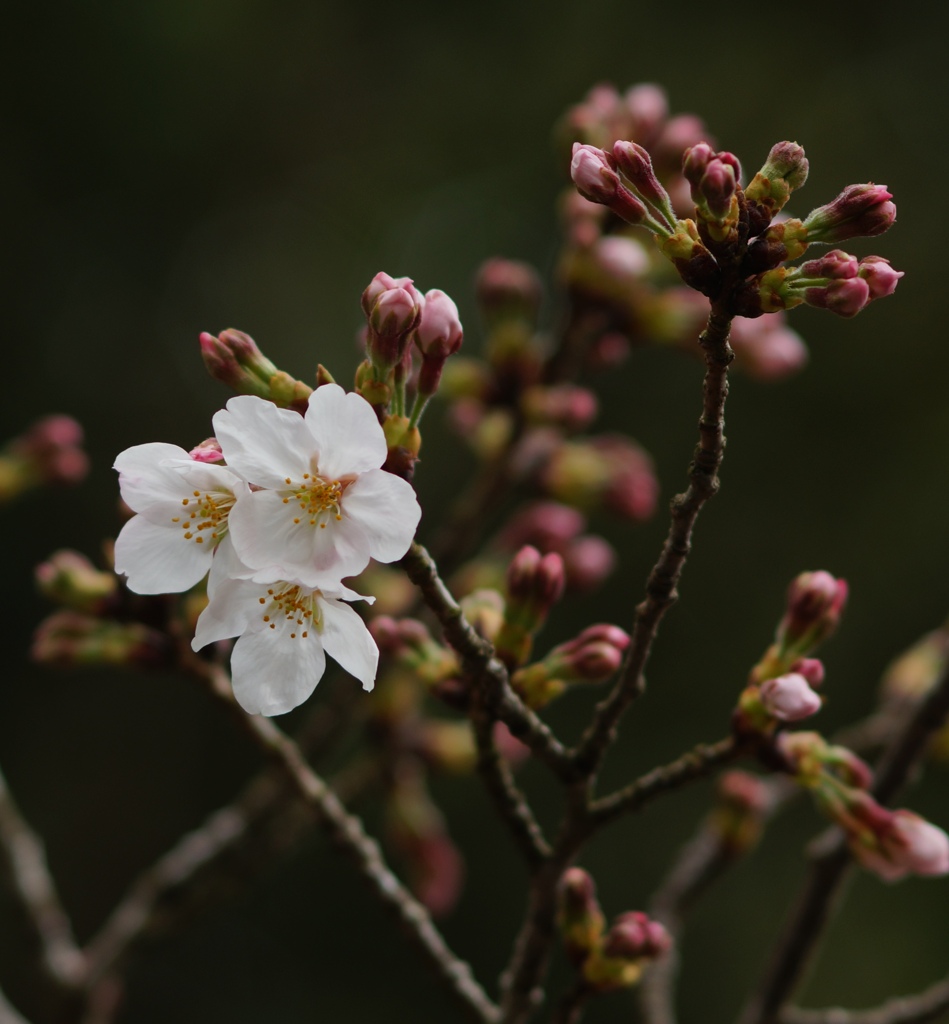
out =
column 8, row 1013
column 925, row 1006
column 661, row 590
column 821, row 892
column 695, row 764
column 571, row 1006
column 24, row 859
column 510, row 802
column 348, row 832
column 479, row 662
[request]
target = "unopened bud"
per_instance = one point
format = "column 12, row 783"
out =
column 70, row 579
column 563, row 405
column 208, row 451
column 814, row 606
column 588, row 561
column 598, row 181
column 234, row 359
column 785, row 170
column 881, row 278
column 70, row 639
column 633, row 160
column 535, row 582
column 789, row 698
column 738, row 816
column 508, row 290
column 579, row 917
column 546, row 525
column 393, row 308
column 438, row 336
column 860, row 211
column 48, row 453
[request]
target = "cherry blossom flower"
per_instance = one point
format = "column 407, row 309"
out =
column 285, row 631
column 183, row 509
column 321, row 507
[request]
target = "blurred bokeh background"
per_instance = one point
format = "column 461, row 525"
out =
column 174, row 167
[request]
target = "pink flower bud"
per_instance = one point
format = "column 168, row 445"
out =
column 393, row 308
column 812, row 669
column 717, row 187
column 438, row 336
column 633, row 936
column 588, row 561
column 535, row 580
column 208, row 451
column 621, row 257
column 893, row 844
column 579, row 917
column 234, row 359
column 845, row 298
column 881, row 278
column 648, row 108
column 546, row 525
column 563, row 405
column 789, row 698
column 597, row 181
column 835, row 265
column 859, row 211
column 766, row 347
column 814, row 605
column 678, row 135
column 636, row 164
column 49, row 453
column 508, row 289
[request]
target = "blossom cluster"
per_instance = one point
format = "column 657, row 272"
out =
column 277, row 511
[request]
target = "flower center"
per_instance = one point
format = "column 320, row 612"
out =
column 294, row 606
column 316, row 498
column 203, row 513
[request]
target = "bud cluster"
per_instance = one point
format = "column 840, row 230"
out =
column 607, row 958
column 48, row 454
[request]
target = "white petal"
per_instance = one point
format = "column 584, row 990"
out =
column 346, row 638
column 348, row 436
column 385, row 506
column 262, row 443
column 233, row 608
column 157, row 559
column 148, row 475
column 267, row 539
column 226, row 565
column 272, row 674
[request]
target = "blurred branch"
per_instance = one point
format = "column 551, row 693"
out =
column 820, row 894
column 8, row 1014
column 917, row 1009
column 348, row 832
column 24, row 860
column 695, row 764
column 478, row 659
column 570, row 1008
column 661, row 591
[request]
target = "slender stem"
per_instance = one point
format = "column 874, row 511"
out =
column 24, row 859
column 418, row 407
column 661, row 586
column 695, row 764
column 925, row 1006
column 571, row 1006
column 8, row 1014
column 479, row 662
column 348, row 832
column 510, row 802
column 821, row 892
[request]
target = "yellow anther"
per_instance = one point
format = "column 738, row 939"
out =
column 197, row 494
column 199, row 540
column 176, row 519
column 188, row 535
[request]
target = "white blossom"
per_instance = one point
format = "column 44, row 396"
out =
column 181, row 527
column 285, row 630
column 320, row 506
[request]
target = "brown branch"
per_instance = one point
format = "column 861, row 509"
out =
column 661, row 591
column 478, row 660
column 917, row 1009
column 571, row 1006
column 348, row 832
column 24, row 860
column 821, row 892
column 510, row 802
column 695, row 764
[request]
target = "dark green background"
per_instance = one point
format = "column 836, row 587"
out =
column 172, row 167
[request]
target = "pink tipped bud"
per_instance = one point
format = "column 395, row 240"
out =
column 438, row 336
column 508, row 290
column 69, row 639
column 636, row 164
column 738, row 815
column 717, row 187
column 536, row 580
column 881, row 278
column 546, row 525
column 845, row 298
column 561, row 405
column 588, row 561
column 836, row 265
column 393, row 307
column 579, row 916
column 234, row 359
column 766, row 347
column 814, row 606
column 785, row 170
column 893, row 844
column 678, row 135
column 69, row 578
column 633, row 936
column 648, row 107
column 48, row 453
column 598, row 181
column 859, row 211
column 812, row 669
column 208, row 451
column 789, row 698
